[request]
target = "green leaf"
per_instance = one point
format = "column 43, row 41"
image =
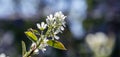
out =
column 31, row 36
column 23, row 48
column 56, row 44
column 34, row 31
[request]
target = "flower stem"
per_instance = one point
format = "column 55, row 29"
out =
column 30, row 52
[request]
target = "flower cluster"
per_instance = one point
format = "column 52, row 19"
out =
column 100, row 44
column 48, row 34
column 55, row 24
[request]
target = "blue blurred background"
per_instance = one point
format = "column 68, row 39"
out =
column 83, row 17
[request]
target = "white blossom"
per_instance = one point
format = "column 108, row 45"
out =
column 41, row 26
column 50, row 17
column 33, row 46
column 59, row 15
column 43, row 45
column 100, row 43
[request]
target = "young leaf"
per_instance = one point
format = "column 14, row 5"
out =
column 23, row 48
column 31, row 36
column 34, row 31
column 56, row 44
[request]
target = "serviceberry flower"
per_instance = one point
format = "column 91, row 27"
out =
column 43, row 44
column 42, row 26
column 60, row 17
column 33, row 46
column 101, row 44
column 50, row 19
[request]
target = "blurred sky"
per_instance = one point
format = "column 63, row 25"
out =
column 29, row 8
column 76, row 10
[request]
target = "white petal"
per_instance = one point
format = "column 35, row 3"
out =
column 62, row 28
column 56, row 32
column 59, row 29
column 63, row 17
column 36, row 51
column 42, row 24
column 56, row 14
column 38, row 25
column 43, row 50
column 51, row 17
column 56, row 37
column 47, row 21
column 54, row 23
column 45, row 26
column 63, row 23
